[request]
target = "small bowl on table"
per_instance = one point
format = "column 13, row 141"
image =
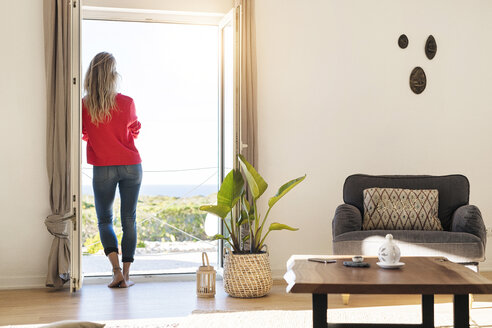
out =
column 357, row 259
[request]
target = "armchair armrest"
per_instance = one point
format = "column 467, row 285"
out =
column 347, row 218
column 468, row 218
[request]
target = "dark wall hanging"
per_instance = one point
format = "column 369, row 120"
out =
column 403, row 41
column 418, row 81
column 430, row 47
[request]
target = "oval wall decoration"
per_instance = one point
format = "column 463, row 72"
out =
column 418, row 81
column 403, row 41
column 430, row 47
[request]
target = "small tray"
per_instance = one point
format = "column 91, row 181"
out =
column 356, row 264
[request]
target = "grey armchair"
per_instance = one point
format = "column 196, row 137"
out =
column 462, row 240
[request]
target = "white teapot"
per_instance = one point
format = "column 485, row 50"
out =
column 389, row 252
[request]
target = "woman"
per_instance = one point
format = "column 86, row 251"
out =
column 110, row 125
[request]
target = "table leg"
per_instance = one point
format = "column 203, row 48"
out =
column 320, row 307
column 461, row 311
column 427, row 311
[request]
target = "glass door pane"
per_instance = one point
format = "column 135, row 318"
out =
column 228, row 98
column 227, row 111
column 170, row 70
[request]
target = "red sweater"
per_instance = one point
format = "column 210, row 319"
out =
column 112, row 143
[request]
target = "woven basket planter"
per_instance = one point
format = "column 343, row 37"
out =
column 247, row 275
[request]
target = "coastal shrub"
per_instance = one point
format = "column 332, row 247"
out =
column 159, row 218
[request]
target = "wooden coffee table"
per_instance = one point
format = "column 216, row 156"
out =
column 426, row 276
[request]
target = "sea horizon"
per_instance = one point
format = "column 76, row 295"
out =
column 167, row 190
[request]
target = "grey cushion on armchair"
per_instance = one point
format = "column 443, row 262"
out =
column 463, row 239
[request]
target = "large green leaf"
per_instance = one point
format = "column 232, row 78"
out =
column 246, row 205
column 243, row 218
column 226, row 239
column 231, row 189
column 219, row 210
column 280, row 226
column 219, row 236
column 257, row 185
column 285, row 189
column 273, row 226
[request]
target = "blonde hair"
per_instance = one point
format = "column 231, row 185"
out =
column 100, row 87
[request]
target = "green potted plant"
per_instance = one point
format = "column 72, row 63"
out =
column 247, row 271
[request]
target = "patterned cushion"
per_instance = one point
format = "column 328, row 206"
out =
column 400, row 209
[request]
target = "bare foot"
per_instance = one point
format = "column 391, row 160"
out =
column 126, row 274
column 126, row 283
column 123, row 284
column 118, row 278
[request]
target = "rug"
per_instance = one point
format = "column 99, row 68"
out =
column 145, row 323
column 129, row 323
column 481, row 316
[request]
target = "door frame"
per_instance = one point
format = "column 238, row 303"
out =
column 150, row 16
column 231, row 18
column 76, row 276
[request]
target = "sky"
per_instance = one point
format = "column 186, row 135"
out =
column 171, row 72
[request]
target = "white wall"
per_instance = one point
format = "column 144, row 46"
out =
column 24, row 200
column 334, row 99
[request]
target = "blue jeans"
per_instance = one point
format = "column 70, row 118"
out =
column 104, row 182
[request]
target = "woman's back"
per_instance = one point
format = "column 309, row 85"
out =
column 111, row 142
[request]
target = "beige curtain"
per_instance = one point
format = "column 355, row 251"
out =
column 248, row 91
column 248, row 87
column 57, row 15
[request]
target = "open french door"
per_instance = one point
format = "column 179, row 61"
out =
column 75, row 178
column 228, row 121
column 228, row 100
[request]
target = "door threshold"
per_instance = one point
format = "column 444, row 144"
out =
column 141, row 278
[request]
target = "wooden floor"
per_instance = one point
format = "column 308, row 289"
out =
column 164, row 299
